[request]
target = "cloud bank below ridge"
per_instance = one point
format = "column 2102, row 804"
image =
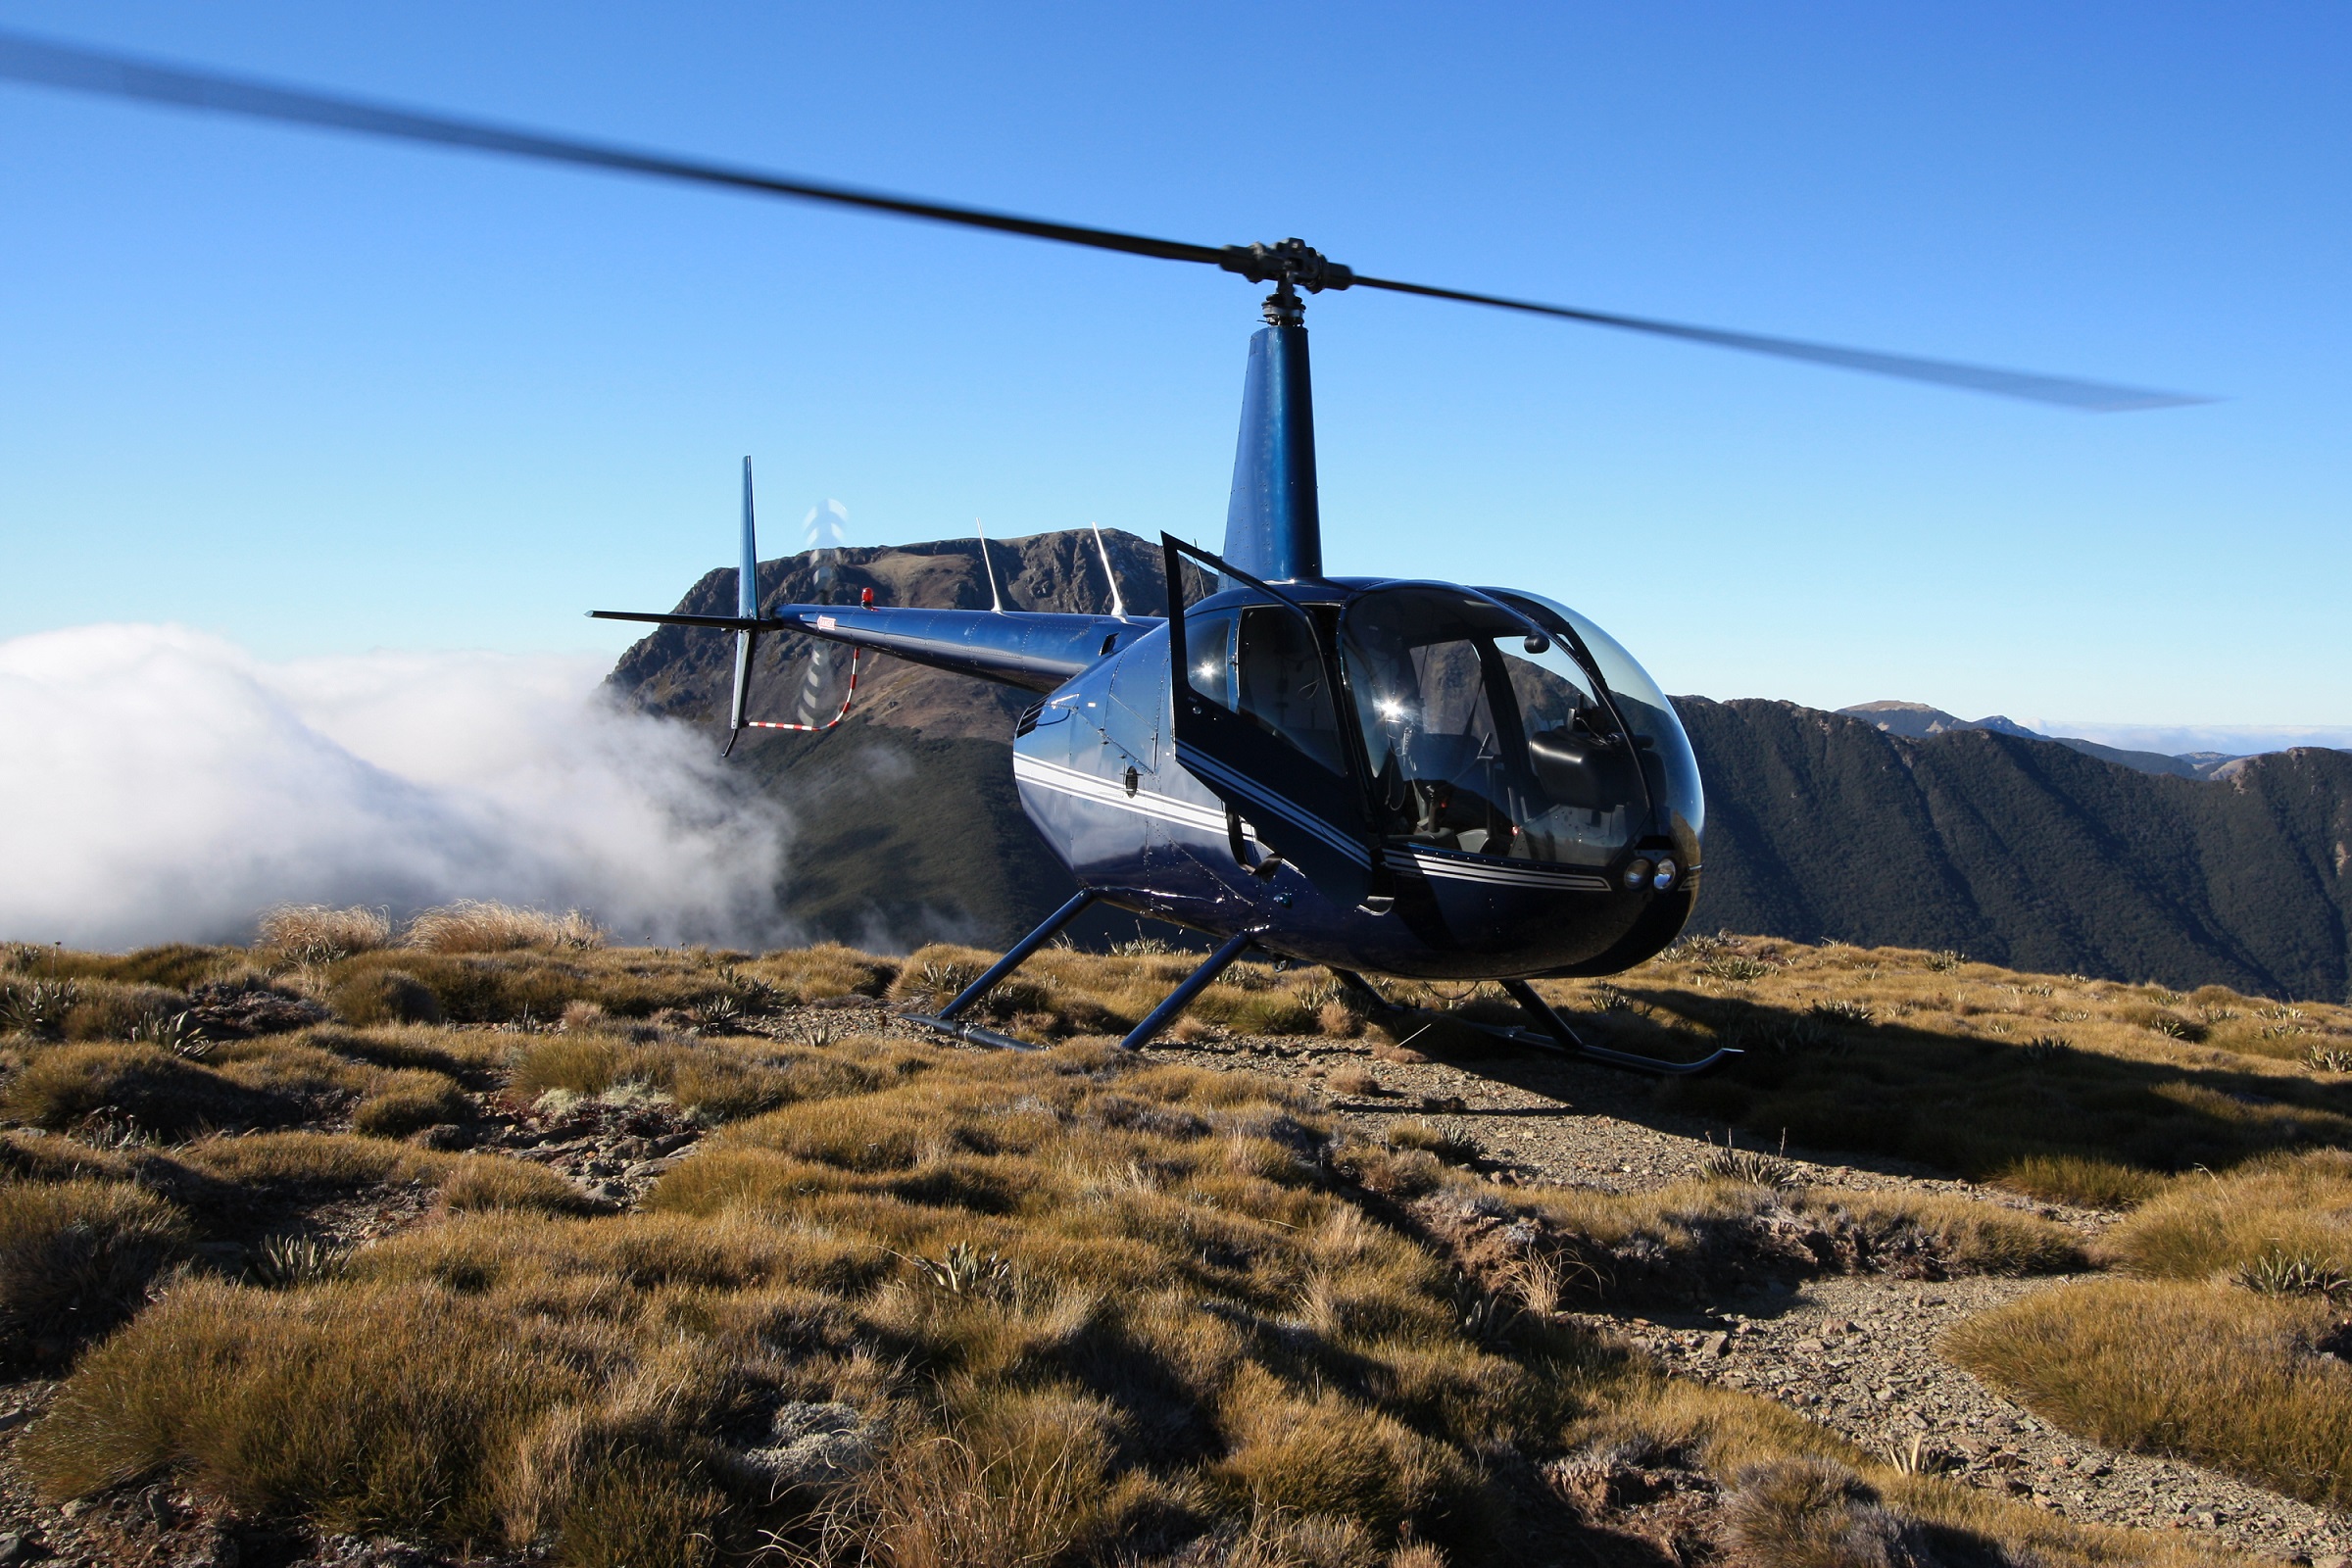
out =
column 160, row 784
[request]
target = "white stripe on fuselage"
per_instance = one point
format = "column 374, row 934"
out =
column 1211, row 819
column 1111, row 792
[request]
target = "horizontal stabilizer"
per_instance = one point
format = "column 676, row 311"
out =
column 721, row 622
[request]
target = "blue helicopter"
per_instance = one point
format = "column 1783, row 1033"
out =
column 1416, row 778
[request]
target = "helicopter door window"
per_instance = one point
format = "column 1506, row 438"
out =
column 1261, row 663
column 1279, row 683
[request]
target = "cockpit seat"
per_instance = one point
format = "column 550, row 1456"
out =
column 1580, row 769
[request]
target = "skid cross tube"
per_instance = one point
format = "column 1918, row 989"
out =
column 1158, row 1018
column 1552, row 1030
column 1015, row 958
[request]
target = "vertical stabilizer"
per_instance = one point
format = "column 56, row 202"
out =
column 1272, row 527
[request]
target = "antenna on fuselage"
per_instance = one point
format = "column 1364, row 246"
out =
column 1118, row 608
column 996, row 601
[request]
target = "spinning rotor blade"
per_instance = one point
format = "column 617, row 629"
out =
column 30, row 59
column 2094, row 396
column 49, row 65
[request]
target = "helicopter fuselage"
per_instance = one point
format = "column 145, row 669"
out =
column 1517, row 852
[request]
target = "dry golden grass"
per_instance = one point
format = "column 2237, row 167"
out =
column 1083, row 1308
column 292, row 1163
column 475, row 925
column 409, row 1100
column 313, row 933
column 2288, row 1207
column 1061, row 992
column 140, row 1085
column 934, row 1251
column 75, row 1260
column 718, row 1082
column 2206, row 1371
column 1586, row 1247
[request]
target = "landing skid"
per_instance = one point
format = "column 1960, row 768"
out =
column 1158, row 1018
column 1551, row 1033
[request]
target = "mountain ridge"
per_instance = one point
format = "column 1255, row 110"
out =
column 1919, row 721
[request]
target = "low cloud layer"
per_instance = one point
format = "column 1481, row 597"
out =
column 156, row 784
column 2179, row 740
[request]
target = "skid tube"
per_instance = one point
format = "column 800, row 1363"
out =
column 944, row 1020
column 1551, row 1033
column 1158, row 1018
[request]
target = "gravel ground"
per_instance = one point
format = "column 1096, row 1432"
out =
column 1855, row 1352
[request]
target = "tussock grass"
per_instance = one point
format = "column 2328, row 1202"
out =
column 815, row 1254
column 110, row 1010
column 145, row 1087
column 1061, row 992
column 293, row 1164
column 2206, row 1371
column 1556, row 1247
column 475, row 925
column 2294, row 1207
column 409, row 1101
column 358, row 1405
column 719, row 1083
column 76, row 1258
column 313, row 933
column 1064, row 1306
column 384, row 996
column 175, row 965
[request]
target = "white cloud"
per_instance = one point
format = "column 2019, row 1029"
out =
column 2177, row 740
column 158, row 784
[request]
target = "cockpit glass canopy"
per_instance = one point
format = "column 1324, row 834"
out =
column 1482, row 738
column 1667, row 761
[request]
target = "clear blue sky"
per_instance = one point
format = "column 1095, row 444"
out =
column 322, row 395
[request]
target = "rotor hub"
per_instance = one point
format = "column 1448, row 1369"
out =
column 1291, row 266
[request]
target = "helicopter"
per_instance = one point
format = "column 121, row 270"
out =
column 1415, row 778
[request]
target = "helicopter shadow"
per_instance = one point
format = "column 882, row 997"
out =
column 1898, row 1099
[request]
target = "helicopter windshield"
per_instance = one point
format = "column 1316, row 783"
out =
column 1475, row 742
column 1668, row 763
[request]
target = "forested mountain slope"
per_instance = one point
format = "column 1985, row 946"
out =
column 2027, row 852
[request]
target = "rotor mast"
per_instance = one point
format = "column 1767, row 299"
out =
column 1273, row 524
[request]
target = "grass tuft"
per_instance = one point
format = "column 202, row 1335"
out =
column 314, row 934
column 474, row 925
column 76, row 1258
column 2205, row 1372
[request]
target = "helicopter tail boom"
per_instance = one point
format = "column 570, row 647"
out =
column 1031, row 649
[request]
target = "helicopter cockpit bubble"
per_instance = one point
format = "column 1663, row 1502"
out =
column 1486, row 733
column 1668, row 766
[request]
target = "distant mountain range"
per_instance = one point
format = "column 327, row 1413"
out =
column 1888, row 824
column 1917, row 722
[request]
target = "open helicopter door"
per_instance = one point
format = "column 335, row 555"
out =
column 1258, row 721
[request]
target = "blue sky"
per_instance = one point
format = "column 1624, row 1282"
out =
column 320, row 396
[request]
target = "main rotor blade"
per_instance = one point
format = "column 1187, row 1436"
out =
column 2094, row 396
column 88, row 70
column 33, row 60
